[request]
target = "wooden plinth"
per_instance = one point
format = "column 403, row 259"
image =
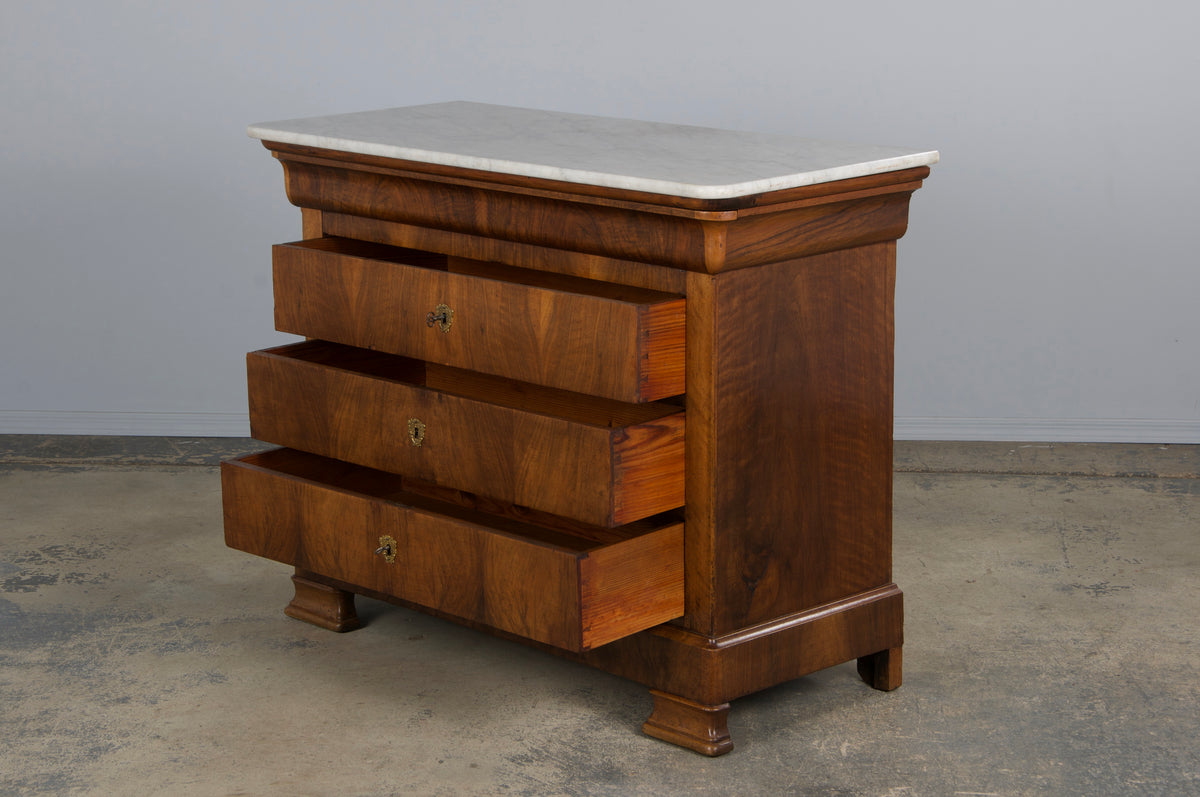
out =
column 689, row 724
column 882, row 670
column 322, row 605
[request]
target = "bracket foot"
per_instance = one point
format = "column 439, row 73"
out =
column 689, row 724
column 322, row 605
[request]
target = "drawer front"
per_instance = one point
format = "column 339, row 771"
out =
column 329, row 517
column 596, row 461
column 576, row 334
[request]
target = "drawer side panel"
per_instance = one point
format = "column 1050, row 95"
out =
column 648, row 469
column 625, row 585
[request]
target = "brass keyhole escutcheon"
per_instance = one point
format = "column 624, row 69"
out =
column 387, row 547
column 416, row 432
column 441, row 317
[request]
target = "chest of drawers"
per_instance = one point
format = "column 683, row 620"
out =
column 616, row 389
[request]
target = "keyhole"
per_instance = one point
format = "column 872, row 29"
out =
column 441, row 316
column 416, row 432
column 387, row 547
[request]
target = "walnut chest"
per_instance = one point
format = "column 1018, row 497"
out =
column 618, row 389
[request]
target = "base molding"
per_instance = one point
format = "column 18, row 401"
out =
column 693, row 677
column 715, row 670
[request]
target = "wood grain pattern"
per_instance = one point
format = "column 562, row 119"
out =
column 558, row 190
column 310, row 223
column 882, row 670
column 647, row 468
column 817, row 219
column 662, row 349
column 701, row 469
column 698, row 727
column 531, row 256
column 603, row 230
column 801, row 413
column 784, row 460
column 809, row 230
column 623, row 583
column 571, row 593
column 717, row 669
column 625, row 343
column 500, row 511
column 789, row 436
column 354, row 405
column 322, row 605
column 714, row 670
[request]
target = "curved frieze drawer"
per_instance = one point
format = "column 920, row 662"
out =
column 576, row 334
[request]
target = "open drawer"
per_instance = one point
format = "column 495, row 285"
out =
column 574, row 587
column 594, row 460
column 577, row 334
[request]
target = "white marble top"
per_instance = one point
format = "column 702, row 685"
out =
column 678, row 160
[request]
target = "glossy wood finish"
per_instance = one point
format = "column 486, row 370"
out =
column 593, row 460
column 711, row 670
column 557, row 190
column 519, row 323
column 882, row 670
column 687, row 723
column 544, row 584
column 322, row 605
column 786, row 457
column 752, row 230
column 530, row 256
column 790, row 436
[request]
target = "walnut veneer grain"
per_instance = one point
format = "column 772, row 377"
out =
column 545, row 501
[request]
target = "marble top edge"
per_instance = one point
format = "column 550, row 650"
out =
column 654, row 157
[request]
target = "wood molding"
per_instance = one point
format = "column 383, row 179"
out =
column 760, row 229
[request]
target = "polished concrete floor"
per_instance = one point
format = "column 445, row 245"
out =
column 1052, row 647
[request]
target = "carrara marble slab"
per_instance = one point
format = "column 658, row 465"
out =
column 678, row 160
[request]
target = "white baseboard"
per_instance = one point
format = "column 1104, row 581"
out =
column 1049, row 430
column 152, row 424
column 234, row 424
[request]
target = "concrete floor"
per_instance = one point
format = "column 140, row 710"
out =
column 1052, row 647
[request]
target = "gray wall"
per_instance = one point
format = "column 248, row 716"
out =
column 1047, row 287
